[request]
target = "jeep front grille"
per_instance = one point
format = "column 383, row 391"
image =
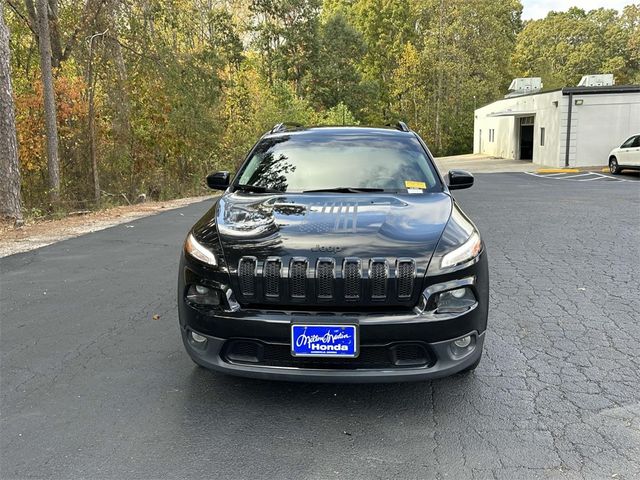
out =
column 349, row 280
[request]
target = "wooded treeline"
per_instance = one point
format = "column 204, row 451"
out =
column 151, row 95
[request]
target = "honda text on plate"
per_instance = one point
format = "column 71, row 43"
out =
column 336, row 254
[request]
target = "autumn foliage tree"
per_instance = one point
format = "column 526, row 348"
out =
column 152, row 95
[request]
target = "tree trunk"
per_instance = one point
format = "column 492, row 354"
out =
column 33, row 18
column 91, row 83
column 54, row 34
column 118, row 93
column 53, row 163
column 440, row 80
column 10, row 204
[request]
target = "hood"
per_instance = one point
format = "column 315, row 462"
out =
column 341, row 225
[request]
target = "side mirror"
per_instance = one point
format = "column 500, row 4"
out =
column 218, row 180
column 459, row 179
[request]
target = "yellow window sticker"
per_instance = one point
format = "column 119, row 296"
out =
column 414, row 184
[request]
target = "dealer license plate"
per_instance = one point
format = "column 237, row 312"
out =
column 324, row 340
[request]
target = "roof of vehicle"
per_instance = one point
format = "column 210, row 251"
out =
column 338, row 130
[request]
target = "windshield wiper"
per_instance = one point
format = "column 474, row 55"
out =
column 346, row 190
column 256, row 189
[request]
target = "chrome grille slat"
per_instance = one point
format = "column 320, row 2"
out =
column 247, row 276
column 298, row 277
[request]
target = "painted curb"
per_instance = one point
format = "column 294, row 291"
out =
column 557, row 170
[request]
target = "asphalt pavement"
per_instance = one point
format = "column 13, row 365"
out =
column 95, row 382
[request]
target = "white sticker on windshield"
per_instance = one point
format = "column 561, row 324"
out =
column 414, row 190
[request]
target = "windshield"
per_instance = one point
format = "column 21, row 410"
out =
column 308, row 161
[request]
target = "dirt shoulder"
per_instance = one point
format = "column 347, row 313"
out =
column 39, row 233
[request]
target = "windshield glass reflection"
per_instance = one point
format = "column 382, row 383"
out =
column 296, row 163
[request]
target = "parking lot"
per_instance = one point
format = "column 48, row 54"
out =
column 95, row 382
column 587, row 176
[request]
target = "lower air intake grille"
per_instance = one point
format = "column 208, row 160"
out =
column 298, row 278
column 394, row 356
column 246, row 275
column 405, row 273
column 351, row 273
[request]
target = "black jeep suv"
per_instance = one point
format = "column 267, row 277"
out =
column 335, row 254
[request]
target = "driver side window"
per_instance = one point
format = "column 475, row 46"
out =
column 630, row 142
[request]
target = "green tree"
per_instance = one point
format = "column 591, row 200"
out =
column 630, row 21
column 408, row 88
column 566, row 45
column 286, row 38
column 335, row 77
column 456, row 61
column 338, row 115
column 386, row 26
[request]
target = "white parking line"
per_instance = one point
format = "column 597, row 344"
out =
column 577, row 177
column 599, row 176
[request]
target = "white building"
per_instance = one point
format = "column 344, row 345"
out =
column 572, row 126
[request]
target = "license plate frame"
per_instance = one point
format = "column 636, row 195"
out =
column 303, row 348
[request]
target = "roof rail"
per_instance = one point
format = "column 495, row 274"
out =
column 399, row 126
column 402, row 127
column 282, row 127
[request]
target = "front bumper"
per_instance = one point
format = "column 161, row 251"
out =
column 381, row 336
column 446, row 363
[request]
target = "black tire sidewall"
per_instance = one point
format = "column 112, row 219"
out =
column 612, row 169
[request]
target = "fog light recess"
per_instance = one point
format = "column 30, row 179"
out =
column 463, row 346
column 463, row 342
column 198, row 338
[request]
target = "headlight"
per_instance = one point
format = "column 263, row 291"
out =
column 199, row 251
column 458, row 300
column 460, row 243
column 202, row 295
column 454, row 296
column 468, row 250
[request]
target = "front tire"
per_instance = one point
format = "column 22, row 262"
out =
column 614, row 168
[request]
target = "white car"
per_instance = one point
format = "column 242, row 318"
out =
column 626, row 156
